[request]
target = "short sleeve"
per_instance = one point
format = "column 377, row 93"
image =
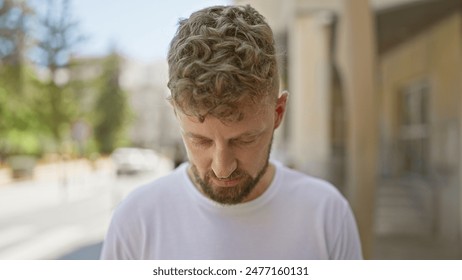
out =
column 347, row 245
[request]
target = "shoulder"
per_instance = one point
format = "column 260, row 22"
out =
column 315, row 192
column 322, row 204
column 298, row 181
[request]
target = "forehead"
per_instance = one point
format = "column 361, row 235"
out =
column 228, row 108
column 255, row 119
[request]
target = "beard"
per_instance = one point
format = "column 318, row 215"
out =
column 230, row 195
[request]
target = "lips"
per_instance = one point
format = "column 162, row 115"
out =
column 226, row 182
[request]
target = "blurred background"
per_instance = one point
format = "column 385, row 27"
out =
column 375, row 96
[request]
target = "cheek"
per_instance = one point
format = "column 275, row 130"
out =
column 254, row 159
column 197, row 157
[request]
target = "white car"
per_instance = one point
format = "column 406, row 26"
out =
column 134, row 160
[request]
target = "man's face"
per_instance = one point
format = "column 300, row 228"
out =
column 229, row 160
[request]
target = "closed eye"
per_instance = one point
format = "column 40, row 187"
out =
column 203, row 142
column 244, row 141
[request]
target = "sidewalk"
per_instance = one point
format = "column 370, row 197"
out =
column 404, row 231
column 58, row 170
column 89, row 252
column 409, row 247
column 5, row 176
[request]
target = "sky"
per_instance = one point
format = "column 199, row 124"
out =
column 140, row 29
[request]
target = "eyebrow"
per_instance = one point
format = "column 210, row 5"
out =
column 194, row 135
column 251, row 133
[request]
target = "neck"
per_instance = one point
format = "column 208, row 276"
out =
column 263, row 184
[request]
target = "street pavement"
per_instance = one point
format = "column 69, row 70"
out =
column 64, row 211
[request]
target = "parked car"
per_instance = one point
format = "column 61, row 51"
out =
column 130, row 160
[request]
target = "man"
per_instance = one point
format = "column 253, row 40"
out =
column 230, row 201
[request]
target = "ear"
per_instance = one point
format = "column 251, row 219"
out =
column 280, row 108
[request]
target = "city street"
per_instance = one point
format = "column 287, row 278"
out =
column 64, row 212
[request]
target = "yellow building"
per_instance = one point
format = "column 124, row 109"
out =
column 375, row 99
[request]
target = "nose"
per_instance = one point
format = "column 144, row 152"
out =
column 224, row 162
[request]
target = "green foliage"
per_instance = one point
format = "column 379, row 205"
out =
column 23, row 142
column 111, row 108
column 19, row 124
column 56, row 107
column 14, row 114
column 37, row 111
column 33, row 110
column 58, row 36
column 13, row 18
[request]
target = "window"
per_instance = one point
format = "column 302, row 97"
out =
column 414, row 128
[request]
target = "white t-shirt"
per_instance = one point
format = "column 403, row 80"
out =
column 297, row 217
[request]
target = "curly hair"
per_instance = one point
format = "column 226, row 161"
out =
column 220, row 58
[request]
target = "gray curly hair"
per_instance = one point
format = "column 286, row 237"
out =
column 220, row 58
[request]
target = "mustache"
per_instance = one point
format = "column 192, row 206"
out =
column 238, row 173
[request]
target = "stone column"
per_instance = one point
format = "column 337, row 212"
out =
column 459, row 36
column 310, row 92
column 356, row 56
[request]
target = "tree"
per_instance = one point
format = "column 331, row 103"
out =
column 13, row 30
column 57, row 37
column 111, row 107
column 17, row 120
